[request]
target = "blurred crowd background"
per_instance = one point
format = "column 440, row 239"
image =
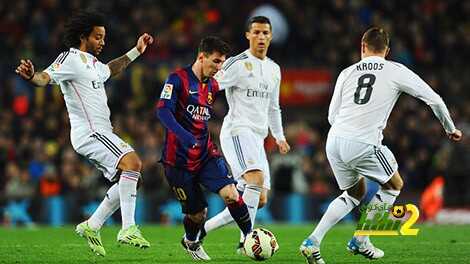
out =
column 42, row 180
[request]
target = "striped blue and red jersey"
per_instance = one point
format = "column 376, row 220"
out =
column 190, row 101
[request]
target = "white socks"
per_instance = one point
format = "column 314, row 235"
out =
column 382, row 196
column 108, row 206
column 218, row 220
column 250, row 197
column 337, row 209
column 127, row 195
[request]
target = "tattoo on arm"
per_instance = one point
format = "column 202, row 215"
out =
column 117, row 65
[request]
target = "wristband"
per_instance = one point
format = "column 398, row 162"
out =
column 133, row 54
column 30, row 78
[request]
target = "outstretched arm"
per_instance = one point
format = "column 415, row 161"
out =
column 413, row 85
column 117, row 65
column 26, row 71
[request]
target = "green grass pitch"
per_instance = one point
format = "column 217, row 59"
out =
column 434, row 244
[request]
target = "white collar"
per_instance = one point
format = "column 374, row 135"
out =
column 248, row 52
column 83, row 52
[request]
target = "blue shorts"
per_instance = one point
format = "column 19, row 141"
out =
column 186, row 185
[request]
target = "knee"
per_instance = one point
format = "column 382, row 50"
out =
column 229, row 194
column 130, row 161
column 357, row 193
column 231, row 197
column 254, row 177
column 398, row 185
column 199, row 217
column 395, row 183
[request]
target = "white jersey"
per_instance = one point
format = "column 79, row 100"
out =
column 252, row 89
column 81, row 78
column 365, row 94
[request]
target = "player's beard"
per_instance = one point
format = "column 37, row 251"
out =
column 98, row 51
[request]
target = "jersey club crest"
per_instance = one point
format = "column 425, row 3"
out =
column 83, row 58
column 248, row 66
column 210, row 99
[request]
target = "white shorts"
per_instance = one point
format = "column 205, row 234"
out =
column 351, row 160
column 244, row 152
column 104, row 150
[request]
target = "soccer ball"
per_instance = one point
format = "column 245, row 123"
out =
column 260, row 244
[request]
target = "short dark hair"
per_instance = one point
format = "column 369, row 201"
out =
column 211, row 44
column 376, row 39
column 81, row 24
column 258, row 19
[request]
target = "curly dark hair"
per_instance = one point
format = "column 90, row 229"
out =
column 81, row 24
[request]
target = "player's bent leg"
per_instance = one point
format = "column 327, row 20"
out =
column 92, row 236
column 192, row 225
column 90, row 228
column 108, row 206
column 252, row 196
column 237, row 207
column 386, row 195
column 251, row 191
column 338, row 208
column 221, row 219
column 239, row 211
column 130, row 164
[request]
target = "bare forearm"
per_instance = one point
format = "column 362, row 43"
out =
column 40, row 79
column 117, row 65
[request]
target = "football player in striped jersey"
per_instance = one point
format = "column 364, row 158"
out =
column 189, row 156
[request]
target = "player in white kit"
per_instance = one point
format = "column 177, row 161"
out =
column 364, row 96
column 251, row 82
column 81, row 78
